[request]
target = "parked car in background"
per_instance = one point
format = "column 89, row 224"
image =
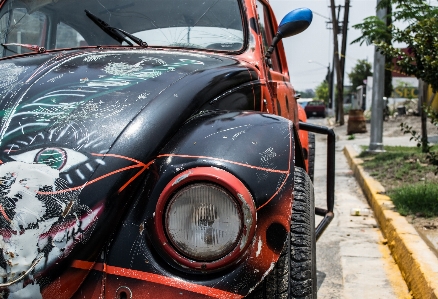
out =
column 315, row 108
column 304, row 102
column 154, row 149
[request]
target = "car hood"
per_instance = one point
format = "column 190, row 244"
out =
column 77, row 129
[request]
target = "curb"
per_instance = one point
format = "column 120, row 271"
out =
column 416, row 261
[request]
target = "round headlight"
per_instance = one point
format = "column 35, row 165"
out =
column 203, row 222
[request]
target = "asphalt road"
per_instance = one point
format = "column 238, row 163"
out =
column 353, row 260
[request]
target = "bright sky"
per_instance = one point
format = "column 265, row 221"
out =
column 316, row 43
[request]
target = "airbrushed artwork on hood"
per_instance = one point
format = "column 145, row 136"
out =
column 52, row 140
column 105, row 93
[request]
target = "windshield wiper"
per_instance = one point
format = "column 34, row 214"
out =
column 116, row 33
column 34, row 48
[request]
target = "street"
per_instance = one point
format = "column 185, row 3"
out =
column 353, row 260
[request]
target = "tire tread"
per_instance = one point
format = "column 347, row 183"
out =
column 294, row 277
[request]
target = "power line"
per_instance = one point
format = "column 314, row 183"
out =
column 322, row 16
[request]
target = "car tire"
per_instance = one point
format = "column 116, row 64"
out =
column 311, row 161
column 294, row 275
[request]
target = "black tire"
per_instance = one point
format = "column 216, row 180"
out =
column 311, row 161
column 294, row 275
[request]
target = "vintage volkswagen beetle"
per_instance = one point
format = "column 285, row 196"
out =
column 153, row 149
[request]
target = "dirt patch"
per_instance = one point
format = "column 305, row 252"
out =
column 400, row 169
column 391, row 127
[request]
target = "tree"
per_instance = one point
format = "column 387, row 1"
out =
column 359, row 73
column 420, row 35
column 421, row 58
column 322, row 91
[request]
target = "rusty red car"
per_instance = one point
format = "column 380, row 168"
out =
column 315, row 108
column 154, row 149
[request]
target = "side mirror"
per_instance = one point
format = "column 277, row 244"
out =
column 295, row 22
column 292, row 24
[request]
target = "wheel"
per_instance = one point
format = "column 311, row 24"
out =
column 311, row 161
column 294, row 275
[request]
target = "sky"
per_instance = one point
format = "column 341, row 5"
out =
column 316, row 43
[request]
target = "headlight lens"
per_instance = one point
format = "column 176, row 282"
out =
column 203, row 222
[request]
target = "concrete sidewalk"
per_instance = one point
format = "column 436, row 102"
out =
column 417, row 262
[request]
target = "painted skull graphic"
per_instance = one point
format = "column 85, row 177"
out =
column 40, row 221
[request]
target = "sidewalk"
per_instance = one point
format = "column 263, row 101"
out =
column 416, row 260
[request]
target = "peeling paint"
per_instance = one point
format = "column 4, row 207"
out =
column 143, row 96
column 247, row 219
column 266, row 156
column 96, row 57
column 263, row 278
column 226, row 130
column 55, row 78
column 181, row 178
column 259, row 247
column 237, row 135
column 122, row 68
column 141, row 230
column 35, row 226
column 9, row 73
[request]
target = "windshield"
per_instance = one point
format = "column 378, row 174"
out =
column 206, row 24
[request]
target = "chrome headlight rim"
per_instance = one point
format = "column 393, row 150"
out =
column 221, row 179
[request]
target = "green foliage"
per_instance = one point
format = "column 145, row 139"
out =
column 419, row 198
column 322, row 91
column 420, row 34
column 400, row 168
column 408, row 180
column 359, row 73
column 422, row 141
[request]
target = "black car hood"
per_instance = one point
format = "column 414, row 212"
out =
column 100, row 87
column 86, row 99
column 78, row 128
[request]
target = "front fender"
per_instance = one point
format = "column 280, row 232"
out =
column 257, row 149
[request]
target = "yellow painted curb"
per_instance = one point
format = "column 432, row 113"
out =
column 417, row 263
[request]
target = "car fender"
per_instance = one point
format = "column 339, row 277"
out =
column 234, row 142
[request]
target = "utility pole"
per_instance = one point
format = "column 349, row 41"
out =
column 337, row 63
column 331, row 84
column 344, row 41
column 332, row 100
column 376, row 141
column 339, row 60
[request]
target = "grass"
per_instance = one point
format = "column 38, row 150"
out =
column 407, row 177
column 419, row 199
